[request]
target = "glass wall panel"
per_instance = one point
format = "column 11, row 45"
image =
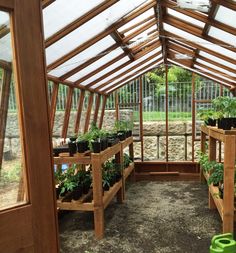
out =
column 13, row 190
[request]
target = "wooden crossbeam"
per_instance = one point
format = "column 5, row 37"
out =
column 4, row 101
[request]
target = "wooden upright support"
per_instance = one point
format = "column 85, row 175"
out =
column 141, row 115
column 53, row 104
column 67, row 112
column 4, row 100
column 79, row 111
column 96, row 110
column 88, row 113
column 167, row 109
column 103, row 111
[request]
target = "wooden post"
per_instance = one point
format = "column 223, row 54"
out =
column 97, row 196
column 228, row 199
column 203, row 150
column 141, row 115
column 4, row 100
column 88, row 113
column 79, row 111
column 121, row 192
column 97, row 106
column 117, row 105
column 53, row 104
column 67, row 113
column 167, row 108
column 212, row 157
column 103, row 111
column 193, row 115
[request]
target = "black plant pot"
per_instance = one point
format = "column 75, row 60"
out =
column 58, row 150
column 121, row 136
column 118, row 177
column 233, row 122
column 96, row 145
column 221, row 191
column 112, row 180
column 86, row 188
column 224, row 123
column 72, row 148
column 106, row 187
column 58, row 190
column 129, row 133
column 104, row 143
column 72, row 139
column 68, row 197
column 210, row 122
column 82, row 146
column 77, row 193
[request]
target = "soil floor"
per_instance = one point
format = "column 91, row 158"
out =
column 157, row 217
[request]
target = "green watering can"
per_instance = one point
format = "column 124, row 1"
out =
column 224, row 243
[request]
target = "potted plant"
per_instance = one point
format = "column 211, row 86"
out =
column 217, row 174
column 72, row 145
column 208, row 116
column 83, row 142
column 105, row 180
column 127, row 160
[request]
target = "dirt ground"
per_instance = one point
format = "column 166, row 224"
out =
column 157, row 217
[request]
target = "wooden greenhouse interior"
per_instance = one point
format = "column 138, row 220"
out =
column 83, row 111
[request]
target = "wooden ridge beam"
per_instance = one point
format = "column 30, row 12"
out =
column 127, row 71
column 174, row 37
column 87, row 63
column 4, row 101
column 78, row 22
column 128, row 77
column 100, row 36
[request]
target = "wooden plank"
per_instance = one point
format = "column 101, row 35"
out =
column 102, row 111
column 67, row 113
column 88, row 113
column 117, row 105
column 229, row 163
column 167, row 109
column 75, row 206
column 77, row 159
column 141, row 115
column 7, row 5
column 109, row 195
column 193, row 115
column 97, row 106
column 53, row 107
column 4, row 101
column 46, row 3
column 128, row 170
column 218, row 203
column 79, row 111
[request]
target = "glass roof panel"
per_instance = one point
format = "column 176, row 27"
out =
column 4, row 19
column 84, row 56
column 90, row 29
column 216, row 67
column 213, row 73
column 5, row 48
column 101, row 73
column 222, row 35
column 217, row 59
column 132, row 64
column 154, row 61
column 226, row 16
column 189, row 37
column 144, row 35
column 133, row 77
column 185, row 17
column 61, row 13
column 97, row 64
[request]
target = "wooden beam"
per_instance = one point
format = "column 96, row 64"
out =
column 88, row 113
column 141, row 115
column 5, row 65
column 4, row 30
column 103, row 111
column 193, row 114
column 46, row 3
column 174, row 37
column 152, row 39
column 226, row 3
column 7, row 5
column 103, row 34
column 67, row 113
column 78, row 22
column 53, row 104
column 87, row 63
column 79, row 111
column 97, row 106
column 167, row 113
column 4, row 101
column 127, row 71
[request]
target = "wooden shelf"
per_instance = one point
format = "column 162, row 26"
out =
column 99, row 200
column 224, row 206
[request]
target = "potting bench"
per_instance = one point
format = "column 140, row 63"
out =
column 224, row 206
column 100, row 200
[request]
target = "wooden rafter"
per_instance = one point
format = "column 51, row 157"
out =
column 78, row 22
column 128, row 70
column 5, row 65
column 227, row 3
column 67, row 113
column 46, row 3
column 79, row 111
column 103, row 34
column 4, row 30
column 53, row 104
column 4, row 101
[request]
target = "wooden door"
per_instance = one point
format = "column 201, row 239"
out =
column 28, row 219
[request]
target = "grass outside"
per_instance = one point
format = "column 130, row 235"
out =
column 160, row 116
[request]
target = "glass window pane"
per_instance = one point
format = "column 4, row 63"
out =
column 12, row 177
column 222, row 35
column 226, row 16
column 61, row 13
column 90, row 29
column 84, row 56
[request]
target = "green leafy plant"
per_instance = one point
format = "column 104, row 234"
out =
column 206, row 114
column 217, row 174
column 225, row 106
column 127, row 160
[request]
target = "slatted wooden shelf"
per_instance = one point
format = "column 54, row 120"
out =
column 224, row 206
column 99, row 200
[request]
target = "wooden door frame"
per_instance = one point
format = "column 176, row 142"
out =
column 32, row 227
